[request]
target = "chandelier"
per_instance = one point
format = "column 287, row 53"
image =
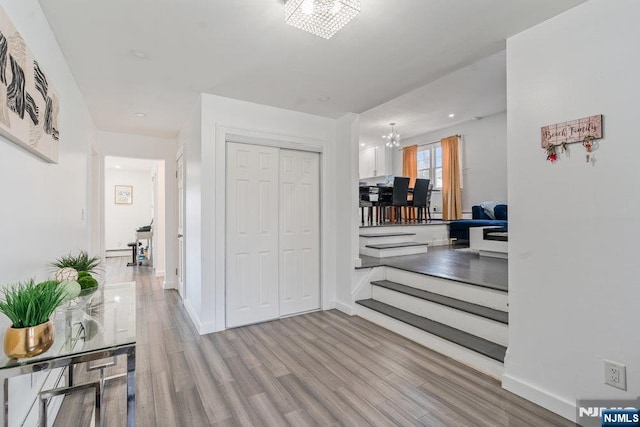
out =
column 323, row 18
column 392, row 138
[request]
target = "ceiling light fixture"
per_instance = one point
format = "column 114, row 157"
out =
column 392, row 138
column 323, row 18
column 362, row 144
column 140, row 114
column 139, row 54
column 451, row 116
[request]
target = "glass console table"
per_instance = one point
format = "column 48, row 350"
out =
column 101, row 326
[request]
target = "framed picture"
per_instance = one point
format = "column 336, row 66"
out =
column 124, row 194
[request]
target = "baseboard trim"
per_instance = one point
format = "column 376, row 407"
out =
column 208, row 328
column 202, row 328
column 345, row 308
column 117, row 253
column 192, row 314
column 159, row 273
column 168, row 285
column 547, row 400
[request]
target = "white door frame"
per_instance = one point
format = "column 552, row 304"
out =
column 180, row 228
column 219, row 152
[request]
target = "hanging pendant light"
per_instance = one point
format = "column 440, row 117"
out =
column 392, row 138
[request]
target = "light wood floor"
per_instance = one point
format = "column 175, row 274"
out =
column 323, row 368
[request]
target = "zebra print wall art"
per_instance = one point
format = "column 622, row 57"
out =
column 29, row 105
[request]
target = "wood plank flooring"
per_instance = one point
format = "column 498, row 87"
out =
column 323, row 368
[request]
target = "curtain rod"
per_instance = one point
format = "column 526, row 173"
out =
column 429, row 143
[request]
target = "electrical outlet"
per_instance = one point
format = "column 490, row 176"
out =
column 435, row 208
column 615, row 374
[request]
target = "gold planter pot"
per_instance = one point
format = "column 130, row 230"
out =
column 28, row 342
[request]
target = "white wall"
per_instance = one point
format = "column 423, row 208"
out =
column 206, row 188
column 45, row 206
column 45, row 210
column 484, row 159
column 159, row 220
column 145, row 147
column 121, row 220
column 190, row 141
column 348, row 220
column 573, row 285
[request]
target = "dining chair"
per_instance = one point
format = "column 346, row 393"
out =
column 399, row 196
column 428, row 204
column 420, row 195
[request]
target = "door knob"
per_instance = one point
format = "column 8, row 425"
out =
column 179, row 235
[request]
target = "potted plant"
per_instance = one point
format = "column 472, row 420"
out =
column 80, row 262
column 78, row 268
column 29, row 307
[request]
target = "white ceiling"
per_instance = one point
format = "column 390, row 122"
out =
column 477, row 90
column 129, row 164
column 243, row 49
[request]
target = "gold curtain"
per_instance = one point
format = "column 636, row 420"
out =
column 410, row 163
column 451, row 195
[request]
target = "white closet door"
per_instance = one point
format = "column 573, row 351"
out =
column 299, row 231
column 252, row 234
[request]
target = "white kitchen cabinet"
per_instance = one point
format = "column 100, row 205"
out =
column 375, row 161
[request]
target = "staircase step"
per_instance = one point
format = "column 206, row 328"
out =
column 393, row 249
column 464, row 339
column 386, row 234
column 478, row 310
column 396, row 245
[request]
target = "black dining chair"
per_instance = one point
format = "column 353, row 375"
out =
column 428, row 205
column 420, row 195
column 399, row 196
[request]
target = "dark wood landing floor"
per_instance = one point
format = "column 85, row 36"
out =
column 388, row 224
column 448, row 263
column 323, row 368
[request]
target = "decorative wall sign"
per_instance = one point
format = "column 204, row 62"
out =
column 572, row 131
column 29, row 105
column 124, row 195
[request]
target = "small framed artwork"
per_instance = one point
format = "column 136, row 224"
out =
column 124, row 194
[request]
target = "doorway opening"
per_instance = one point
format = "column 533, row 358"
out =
column 134, row 211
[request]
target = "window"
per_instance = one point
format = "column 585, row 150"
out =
column 430, row 164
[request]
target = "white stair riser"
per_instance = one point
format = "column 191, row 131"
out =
column 492, row 254
column 384, row 253
column 494, row 248
column 471, row 293
column 470, row 358
column 364, row 241
column 479, row 326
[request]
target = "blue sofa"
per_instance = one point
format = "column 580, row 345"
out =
column 459, row 229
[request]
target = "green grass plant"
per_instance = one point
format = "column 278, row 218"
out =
column 27, row 304
column 80, row 262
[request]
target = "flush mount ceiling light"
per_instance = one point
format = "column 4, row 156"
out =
column 323, row 18
column 139, row 54
column 140, row 114
column 392, row 138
